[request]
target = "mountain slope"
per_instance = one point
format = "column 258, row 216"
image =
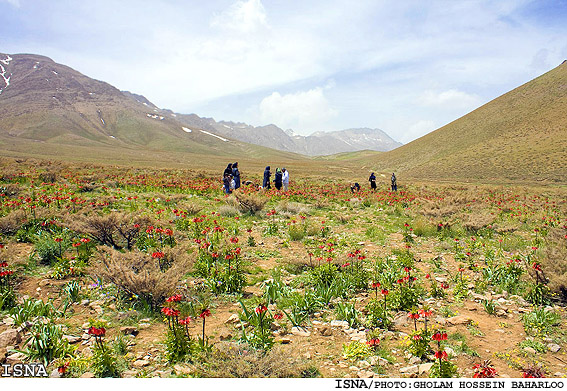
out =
column 519, row 136
column 46, row 102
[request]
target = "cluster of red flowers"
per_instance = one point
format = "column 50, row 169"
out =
column 375, row 285
column 174, row 298
column 158, row 254
column 205, row 313
column 373, row 342
column 97, row 331
column 170, row 312
column 186, row 321
column 271, row 213
column 278, row 316
column 441, row 355
column 6, row 273
column 438, row 336
column 261, row 309
column 484, row 370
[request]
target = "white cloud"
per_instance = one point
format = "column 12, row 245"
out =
column 418, row 129
column 15, row 3
column 243, row 16
column 302, row 111
column 450, row 99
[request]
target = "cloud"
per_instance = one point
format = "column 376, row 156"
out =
column 418, row 129
column 243, row 16
column 450, row 99
column 15, row 3
column 302, row 111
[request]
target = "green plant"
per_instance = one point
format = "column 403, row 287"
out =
column 489, row 306
column 540, row 321
column 30, row 309
column 347, row 311
column 532, row 343
column 356, row 350
column 46, row 343
column 260, row 320
column 377, row 316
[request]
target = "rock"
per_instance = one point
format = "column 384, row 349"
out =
column 353, row 368
column 97, row 308
column 85, row 302
column 409, row 370
column 299, row 331
column 140, row 363
column 401, row 319
column 10, row 337
column 87, row 352
column 55, row 374
column 87, row 375
column 326, row 331
column 553, row 347
column 182, row 369
column 25, row 326
column 358, row 336
column 415, row 360
column 72, row 339
column 129, row 374
column 86, row 326
column 225, row 335
column 15, row 358
column 234, row 318
column 365, row 374
column 364, row 364
column 558, row 374
column 450, row 352
column 478, row 297
column 340, row 323
column 143, row 326
column 425, row 368
column 283, row 341
column 501, row 313
column 459, row 320
column 529, row 350
column 129, row 330
column 9, row 321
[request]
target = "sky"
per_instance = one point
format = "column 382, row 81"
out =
column 406, row 67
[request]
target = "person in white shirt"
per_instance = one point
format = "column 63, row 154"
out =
column 285, row 178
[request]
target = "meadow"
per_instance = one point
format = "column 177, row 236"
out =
column 110, row 271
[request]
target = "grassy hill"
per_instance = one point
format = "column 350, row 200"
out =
column 520, row 136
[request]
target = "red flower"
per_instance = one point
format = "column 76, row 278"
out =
column 385, row 292
column 261, row 309
column 441, row 355
column 174, row 298
column 439, row 336
column 373, row 342
column 205, row 313
column 278, row 316
column 77, row 244
column 58, row 240
column 413, row 315
column 97, row 332
column 185, row 321
column 158, row 254
column 170, row 312
column 346, row 264
column 375, row 285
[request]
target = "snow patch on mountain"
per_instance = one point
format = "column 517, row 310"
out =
column 4, row 72
column 187, row 130
column 214, row 135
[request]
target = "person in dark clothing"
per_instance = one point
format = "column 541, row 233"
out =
column 394, row 183
column 372, row 180
column 226, row 183
column 236, row 175
column 278, row 179
column 355, row 187
column 227, row 170
column 267, row 174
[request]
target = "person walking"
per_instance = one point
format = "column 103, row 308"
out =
column 226, row 183
column 227, row 170
column 372, row 180
column 266, row 182
column 394, row 183
column 285, row 179
column 278, row 179
column 236, row 175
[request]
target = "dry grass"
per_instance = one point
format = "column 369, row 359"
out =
column 137, row 273
column 12, row 222
column 239, row 361
column 554, row 262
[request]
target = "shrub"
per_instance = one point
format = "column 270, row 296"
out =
column 250, row 203
column 12, row 222
column 356, row 350
column 139, row 274
column 540, row 321
column 553, row 263
column 46, row 343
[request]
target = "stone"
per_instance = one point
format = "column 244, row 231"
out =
column 459, row 320
column 140, row 363
column 87, row 375
column 424, row 368
column 409, row 370
column 326, row 331
column 283, row 341
column 144, row 326
column 129, row 330
column 10, row 337
column 15, row 358
column 9, row 321
column 353, row 368
column 414, row 360
column 364, row 364
column 85, row 302
column 129, row 374
column 86, row 326
column 300, row 332
column 234, row 318
column 553, row 347
column 72, row 339
column 225, row 335
column 87, row 352
column 529, row 350
column 365, row 374
column 340, row 323
column 182, row 369
column 55, row 374
column 450, row 352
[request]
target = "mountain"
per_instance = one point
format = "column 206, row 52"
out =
column 519, row 136
column 46, row 106
column 317, row 144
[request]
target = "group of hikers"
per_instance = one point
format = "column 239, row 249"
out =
column 231, row 178
column 394, row 183
column 281, row 179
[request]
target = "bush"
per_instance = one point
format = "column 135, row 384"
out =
column 11, row 223
column 553, row 263
column 250, row 203
column 46, row 343
column 140, row 275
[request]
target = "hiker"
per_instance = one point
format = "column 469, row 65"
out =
column 285, row 179
column 236, row 175
column 394, row 183
column 372, row 180
column 354, row 187
column 278, row 179
column 226, row 183
column 227, row 170
column 267, row 174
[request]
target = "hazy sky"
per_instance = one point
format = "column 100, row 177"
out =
column 406, row 67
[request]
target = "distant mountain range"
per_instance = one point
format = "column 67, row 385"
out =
column 43, row 100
